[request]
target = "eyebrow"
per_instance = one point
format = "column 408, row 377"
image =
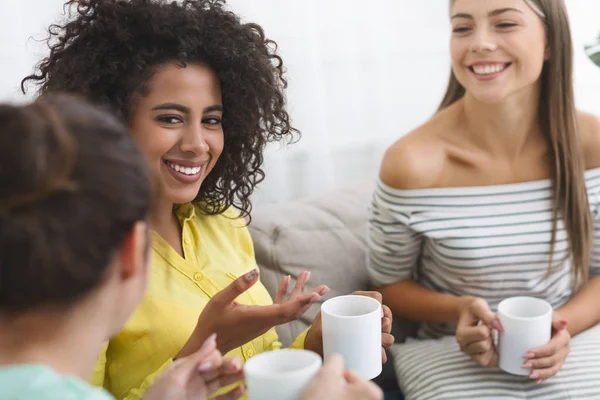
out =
column 491, row 14
column 184, row 109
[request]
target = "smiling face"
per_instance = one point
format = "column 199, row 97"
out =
column 177, row 125
column 498, row 47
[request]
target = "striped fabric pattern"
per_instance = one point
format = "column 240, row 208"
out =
column 487, row 241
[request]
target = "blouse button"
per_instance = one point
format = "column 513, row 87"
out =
column 187, row 240
column 250, row 353
column 198, row 276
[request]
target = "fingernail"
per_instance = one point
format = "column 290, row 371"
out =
column 535, row 375
column 236, row 365
column 496, row 325
column 209, row 341
column 538, row 381
column 250, row 276
column 307, row 276
column 527, row 366
column 205, row 366
column 529, row 356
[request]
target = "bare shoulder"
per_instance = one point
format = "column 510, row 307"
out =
column 589, row 127
column 416, row 160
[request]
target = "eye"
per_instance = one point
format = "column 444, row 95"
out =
column 169, row 119
column 461, row 29
column 506, row 25
column 211, row 121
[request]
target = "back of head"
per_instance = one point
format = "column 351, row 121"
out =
column 72, row 186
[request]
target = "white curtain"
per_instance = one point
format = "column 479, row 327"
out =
column 361, row 74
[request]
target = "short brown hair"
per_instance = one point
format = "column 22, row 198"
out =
column 72, row 186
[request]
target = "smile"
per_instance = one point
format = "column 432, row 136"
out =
column 486, row 70
column 190, row 171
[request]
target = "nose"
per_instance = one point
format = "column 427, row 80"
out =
column 193, row 140
column 482, row 40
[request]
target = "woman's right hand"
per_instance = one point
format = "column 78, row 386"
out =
column 236, row 324
column 474, row 332
column 332, row 382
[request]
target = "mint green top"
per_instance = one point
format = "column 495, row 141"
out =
column 39, row 382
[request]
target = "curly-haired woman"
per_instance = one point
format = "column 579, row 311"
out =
column 203, row 94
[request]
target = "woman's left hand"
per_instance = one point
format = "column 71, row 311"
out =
column 545, row 361
column 314, row 337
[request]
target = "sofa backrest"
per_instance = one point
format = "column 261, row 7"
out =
column 325, row 235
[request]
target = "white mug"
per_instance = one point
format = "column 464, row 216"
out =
column 527, row 324
column 280, row 374
column 352, row 328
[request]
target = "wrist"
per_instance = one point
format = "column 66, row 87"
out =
column 462, row 304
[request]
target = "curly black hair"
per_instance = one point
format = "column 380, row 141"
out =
column 107, row 50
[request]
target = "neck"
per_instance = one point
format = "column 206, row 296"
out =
column 68, row 341
column 163, row 218
column 503, row 129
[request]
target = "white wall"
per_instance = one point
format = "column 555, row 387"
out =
column 362, row 73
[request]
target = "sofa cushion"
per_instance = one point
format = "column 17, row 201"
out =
column 325, row 235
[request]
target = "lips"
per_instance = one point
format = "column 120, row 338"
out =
column 489, row 68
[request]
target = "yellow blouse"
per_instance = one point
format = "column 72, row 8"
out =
column 217, row 249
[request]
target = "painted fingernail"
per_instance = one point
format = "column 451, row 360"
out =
column 529, row 356
column 535, row 375
column 250, row 276
column 496, row 325
column 538, row 381
column 527, row 366
column 205, row 366
column 307, row 276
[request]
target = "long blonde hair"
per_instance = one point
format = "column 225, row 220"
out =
column 557, row 116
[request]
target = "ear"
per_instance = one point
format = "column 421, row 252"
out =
column 133, row 254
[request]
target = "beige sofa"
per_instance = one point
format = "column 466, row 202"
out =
column 325, row 235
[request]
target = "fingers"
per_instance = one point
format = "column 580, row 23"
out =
column 480, row 347
column 554, row 363
column 480, row 310
column 387, row 340
column 489, row 359
column 362, row 389
column 207, row 356
column 234, row 394
column 332, row 367
column 468, row 335
column 229, row 366
column 224, row 380
column 282, row 290
column 558, row 325
column 560, row 340
column 383, row 356
column 386, row 325
column 375, row 295
column 226, row 296
column 300, row 284
column 322, row 290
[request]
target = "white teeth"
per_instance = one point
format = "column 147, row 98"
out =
column 184, row 170
column 488, row 69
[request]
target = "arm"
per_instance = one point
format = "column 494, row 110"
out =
column 582, row 311
column 414, row 301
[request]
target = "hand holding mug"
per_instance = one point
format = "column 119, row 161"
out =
column 474, row 332
column 545, row 361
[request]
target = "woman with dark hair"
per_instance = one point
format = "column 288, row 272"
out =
column 203, row 93
column 496, row 196
column 74, row 203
